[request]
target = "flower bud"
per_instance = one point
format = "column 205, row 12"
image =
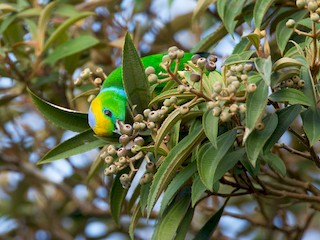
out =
column 301, row 83
column 152, row 78
column 300, row 3
column 122, row 160
column 210, row 66
column 142, row 126
column 138, row 118
column 314, row 16
column 108, row 160
column 138, row 141
column 173, row 99
column 149, row 70
column 122, row 152
column 153, row 116
column 151, row 125
column 150, row 167
column 111, row 150
column 251, row 87
column 247, row 67
column 259, row 126
column 290, row 23
column 183, row 109
column 242, row 108
column 212, row 104
column 233, row 108
column 124, row 139
column 312, row 6
column 167, row 103
column 195, row 77
column 212, row 58
column 127, row 129
column 216, row 111
column 112, row 169
column 181, row 88
column 201, row 62
column 136, row 125
column 217, row 87
column 146, row 112
column 295, row 79
column 225, row 116
column 164, row 110
column 289, row 83
column 195, row 58
column 173, row 49
column 180, row 53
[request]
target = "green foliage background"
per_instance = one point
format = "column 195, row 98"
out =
column 43, row 48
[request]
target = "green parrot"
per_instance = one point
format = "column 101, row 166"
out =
column 109, row 105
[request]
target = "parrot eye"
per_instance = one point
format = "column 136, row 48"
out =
column 107, row 112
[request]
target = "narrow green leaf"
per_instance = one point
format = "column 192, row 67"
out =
column 134, row 78
column 71, row 47
column 7, row 22
column 136, row 215
column 256, row 103
column 80, row 143
column 291, row 96
column 254, row 39
column 285, row 117
column 211, row 125
column 197, row 190
column 209, row 160
column 169, row 122
column 311, row 120
column 226, row 163
column 308, row 88
column 260, row 9
column 242, row 46
column 62, row 117
column 172, row 162
column 207, row 230
column 286, row 62
column 184, row 226
column 176, row 183
column 276, row 163
column 238, row 58
column 284, row 33
column 253, row 171
column 43, row 23
column 66, row 24
column 228, row 14
column 171, row 221
column 258, row 138
column 144, row 193
column 117, row 197
column 264, row 67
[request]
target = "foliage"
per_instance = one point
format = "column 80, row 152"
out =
column 198, row 140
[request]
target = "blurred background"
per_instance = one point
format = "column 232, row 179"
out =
column 54, row 201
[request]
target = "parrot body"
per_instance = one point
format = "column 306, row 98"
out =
column 110, row 104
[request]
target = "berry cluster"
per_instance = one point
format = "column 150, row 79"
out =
column 312, row 6
column 225, row 102
column 294, row 82
column 128, row 154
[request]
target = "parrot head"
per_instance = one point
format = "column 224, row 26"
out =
column 105, row 110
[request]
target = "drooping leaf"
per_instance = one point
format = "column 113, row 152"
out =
column 258, row 138
column 80, row 143
column 275, row 162
column 197, row 190
column 209, row 159
column 136, row 215
column 256, row 102
column 285, row 117
column 284, row 33
column 63, row 27
column 71, row 47
column 286, row 62
column 176, row 183
column 184, row 226
column 43, row 23
column 311, row 120
column 207, row 230
column 172, row 162
column 308, row 88
column 260, row 9
column 210, row 126
column 171, row 221
column 291, row 96
column 228, row 14
column 62, row 117
column 134, row 78
column 264, row 67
